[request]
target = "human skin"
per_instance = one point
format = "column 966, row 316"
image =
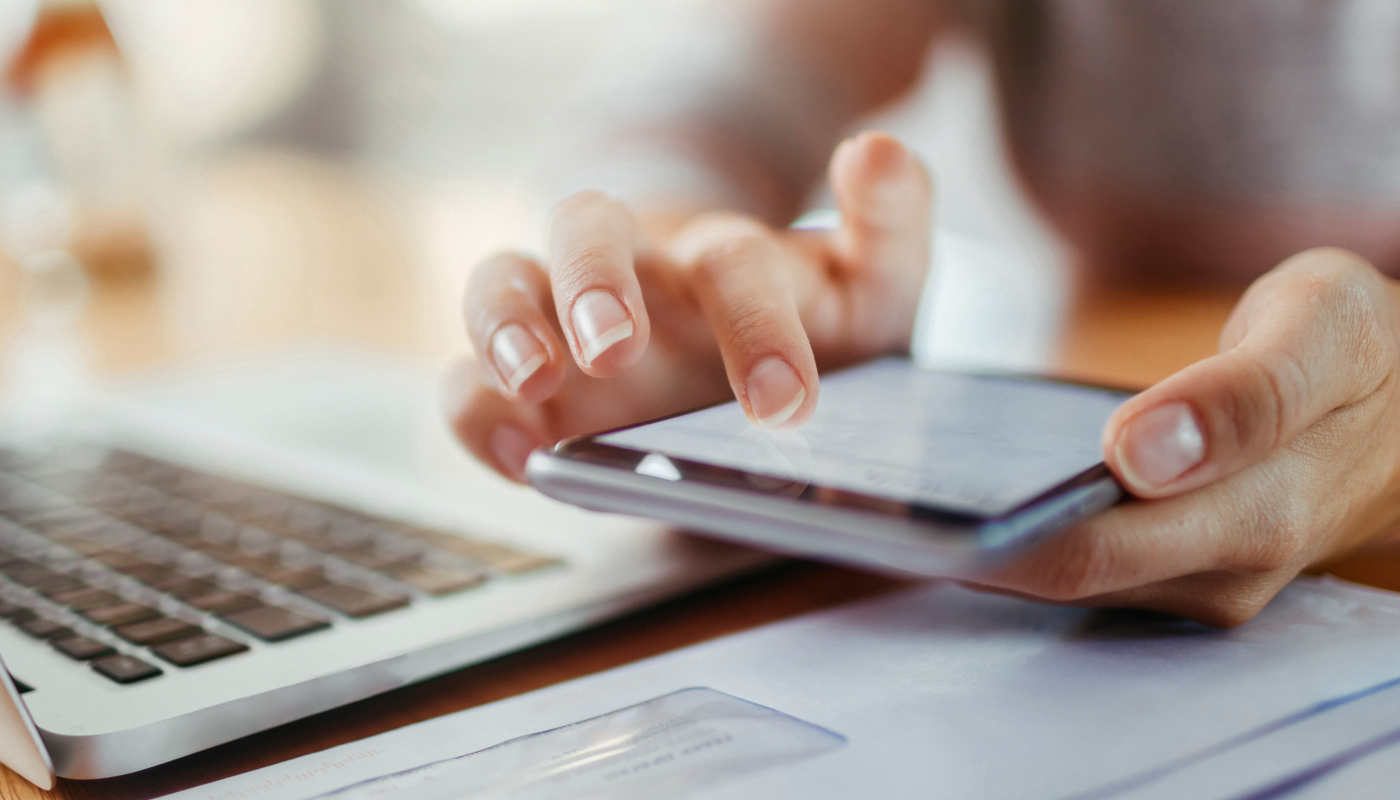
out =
column 1279, row 453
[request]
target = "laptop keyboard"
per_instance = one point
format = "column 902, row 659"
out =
column 134, row 565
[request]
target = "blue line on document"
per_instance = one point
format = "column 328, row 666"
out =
column 1325, row 767
column 1154, row 774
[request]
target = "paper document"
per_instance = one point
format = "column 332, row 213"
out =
column 933, row 691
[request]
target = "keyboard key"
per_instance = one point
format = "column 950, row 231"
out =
column 439, row 580
column 198, row 649
column 88, row 547
column 120, row 614
column 156, row 631
column 260, row 506
column 493, row 554
column 124, row 668
column 58, row 584
column 295, row 578
column 81, row 648
column 222, row 601
column 44, row 628
column 184, row 586
column 235, row 555
column 28, row 506
column 274, row 623
column 27, row 573
column 59, row 521
column 273, row 570
column 150, row 572
column 120, row 560
column 86, row 598
column 515, row 562
column 65, row 528
column 354, row 601
column 379, row 560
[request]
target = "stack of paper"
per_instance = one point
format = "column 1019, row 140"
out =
column 932, row 692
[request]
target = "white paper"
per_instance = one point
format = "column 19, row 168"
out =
column 940, row 691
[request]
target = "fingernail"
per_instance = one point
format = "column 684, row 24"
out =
column 600, row 321
column 517, row 354
column 512, row 447
column 1158, row 446
column 774, row 392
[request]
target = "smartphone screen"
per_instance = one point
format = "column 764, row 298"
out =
column 979, row 445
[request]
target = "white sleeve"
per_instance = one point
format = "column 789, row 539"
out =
column 987, row 306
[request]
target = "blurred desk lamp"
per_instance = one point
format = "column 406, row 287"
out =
column 61, row 189
column 89, row 166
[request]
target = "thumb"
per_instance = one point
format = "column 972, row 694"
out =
column 1305, row 342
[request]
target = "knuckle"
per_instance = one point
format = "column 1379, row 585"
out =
column 1330, row 261
column 1247, row 416
column 713, row 242
column 749, row 327
column 1231, row 612
column 506, row 268
column 583, row 266
column 723, row 224
column 494, row 285
column 1275, row 534
column 1243, row 599
column 1349, row 298
column 717, row 263
column 468, row 410
column 1264, row 419
column 1077, row 571
column 1278, row 547
column 489, row 270
column 577, row 204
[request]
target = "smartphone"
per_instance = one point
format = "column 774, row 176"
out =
column 901, row 468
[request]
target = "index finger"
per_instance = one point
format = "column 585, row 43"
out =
column 597, row 296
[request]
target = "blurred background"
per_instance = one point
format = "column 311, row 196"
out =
column 195, row 182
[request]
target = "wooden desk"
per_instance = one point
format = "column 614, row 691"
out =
column 273, row 250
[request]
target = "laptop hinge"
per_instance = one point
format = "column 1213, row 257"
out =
column 21, row 749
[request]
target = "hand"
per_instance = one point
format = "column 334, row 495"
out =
column 616, row 326
column 1280, row 453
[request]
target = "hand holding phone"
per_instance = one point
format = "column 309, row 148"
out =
column 900, row 468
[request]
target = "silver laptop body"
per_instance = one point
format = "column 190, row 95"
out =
column 216, row 553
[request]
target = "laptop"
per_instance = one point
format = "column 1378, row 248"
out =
column 204, row 555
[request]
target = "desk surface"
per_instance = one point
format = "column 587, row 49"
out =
column 273, row 250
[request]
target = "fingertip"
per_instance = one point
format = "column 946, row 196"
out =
column 510, row 448
column 597, row 295
column 871, row 154
column 521, row 354
column 776, row 396
column 609, row 333
column 1153, row 450
column 497, row 433
column 879, row 180
column 525, row 361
